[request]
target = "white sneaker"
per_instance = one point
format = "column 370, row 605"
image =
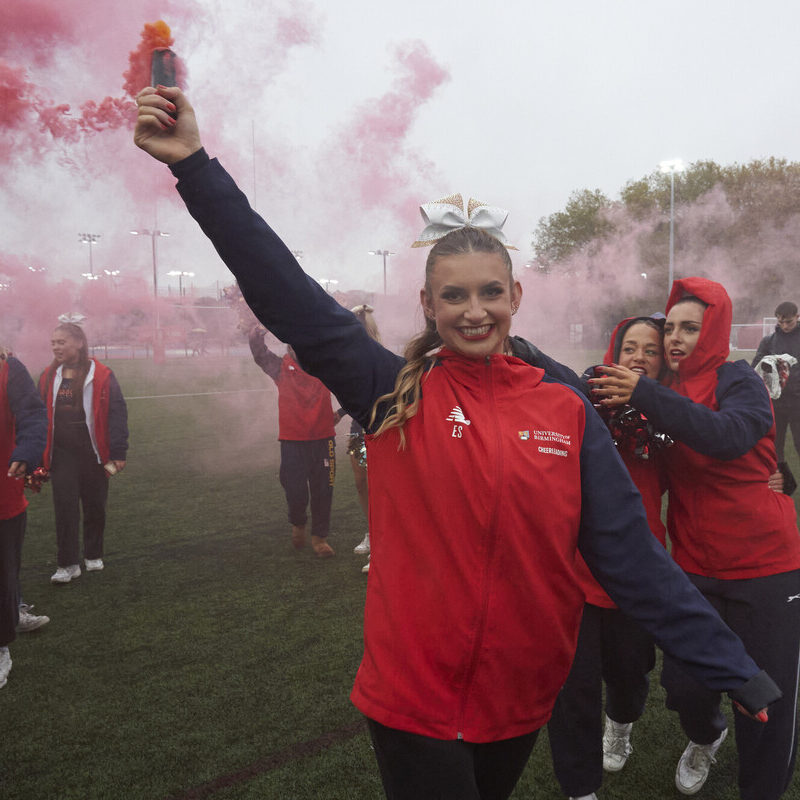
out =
column 695, row 764
column 591, row 796
column 29, row 622
column 365, row 568
column 616, row 744
column 362, row 548
column 66, row 574
column 94, row 564
column 5, row 666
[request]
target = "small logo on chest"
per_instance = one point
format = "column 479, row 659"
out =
column 457, row 416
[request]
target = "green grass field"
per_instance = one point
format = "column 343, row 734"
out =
column 209, row 659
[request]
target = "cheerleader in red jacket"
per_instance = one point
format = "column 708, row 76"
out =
column 308, row 450
column 612, row 648
column 737, row 539
column 87, row 442
column 485, row 475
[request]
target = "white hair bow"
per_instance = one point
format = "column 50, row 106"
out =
column 448, row 215
column 74, row 317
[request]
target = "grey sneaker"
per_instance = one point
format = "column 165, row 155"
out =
column 695, row 764
column 5, row 666
column 362, row 548
column 66, row 574
column 93, row 564
column 591, row 796
column 616, row 744
column 29, row 622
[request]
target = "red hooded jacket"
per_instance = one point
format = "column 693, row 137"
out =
column 723, row 519
column 650, row 481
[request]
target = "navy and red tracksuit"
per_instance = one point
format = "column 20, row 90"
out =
column 735, row 537
column 306, row 433
column 88, row 436
column 612, row 648
column 23, row 432
column 472, row 605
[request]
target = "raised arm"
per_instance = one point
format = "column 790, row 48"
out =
column 262, row 355
column 329, row 341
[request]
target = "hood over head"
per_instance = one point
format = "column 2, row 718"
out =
column 713, row 345
column 618, row 334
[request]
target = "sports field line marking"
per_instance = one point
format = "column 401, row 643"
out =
column 193, row 394
column 291, row 753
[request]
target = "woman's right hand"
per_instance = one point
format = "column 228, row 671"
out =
column 157, row 133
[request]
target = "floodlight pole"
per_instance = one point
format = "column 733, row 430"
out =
column 673, row 166
column 383, row 253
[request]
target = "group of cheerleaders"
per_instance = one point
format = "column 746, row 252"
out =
column 488, row 476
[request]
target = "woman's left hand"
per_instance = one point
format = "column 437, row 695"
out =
column 616, row 386
column 120, row 465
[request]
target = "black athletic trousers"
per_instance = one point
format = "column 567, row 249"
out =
column 79, row 482
column 765, row 613
column 12, row 532
column 787, row 414
column 309, row 469
column 614, row 649
column 417, row 767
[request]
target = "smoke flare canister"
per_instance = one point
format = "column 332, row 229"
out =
column 162, row 67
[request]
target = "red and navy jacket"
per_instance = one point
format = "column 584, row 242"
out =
column 107, row 413
column 23, row 430
column 472, row 605
column 648, row 475
column 304, row 403
column 723, row 519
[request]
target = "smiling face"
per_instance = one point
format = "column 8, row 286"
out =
column 641, row 350
column 681, row 331
column 471, row 298
column 66, row 348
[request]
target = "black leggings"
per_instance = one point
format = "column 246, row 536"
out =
column 417, row 767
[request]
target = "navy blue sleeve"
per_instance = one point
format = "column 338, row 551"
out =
column 117, row 421
column 525, row 350
column 30, row 416
column 331, row 344
column 262, row 355
column 641, row 578
column 743, row 419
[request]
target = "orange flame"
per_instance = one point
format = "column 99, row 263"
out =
column 155, row 35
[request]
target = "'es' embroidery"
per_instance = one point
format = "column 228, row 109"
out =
column 457, row 415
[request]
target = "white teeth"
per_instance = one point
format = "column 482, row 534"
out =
column 476, row 331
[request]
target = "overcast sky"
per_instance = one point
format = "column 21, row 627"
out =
column 532, row 101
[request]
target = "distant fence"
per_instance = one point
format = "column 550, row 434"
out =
column 746, row 336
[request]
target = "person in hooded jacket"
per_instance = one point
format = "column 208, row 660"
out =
column 306, row 423
column 735, row 538
column 612, row 648
column 485, row 475
column 785, row 339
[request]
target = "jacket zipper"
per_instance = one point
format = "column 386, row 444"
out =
column 492, row 540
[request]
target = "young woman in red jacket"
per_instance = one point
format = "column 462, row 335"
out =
column 612, row 648
column 737, row 540
column 87, row 442
column 485, row 476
